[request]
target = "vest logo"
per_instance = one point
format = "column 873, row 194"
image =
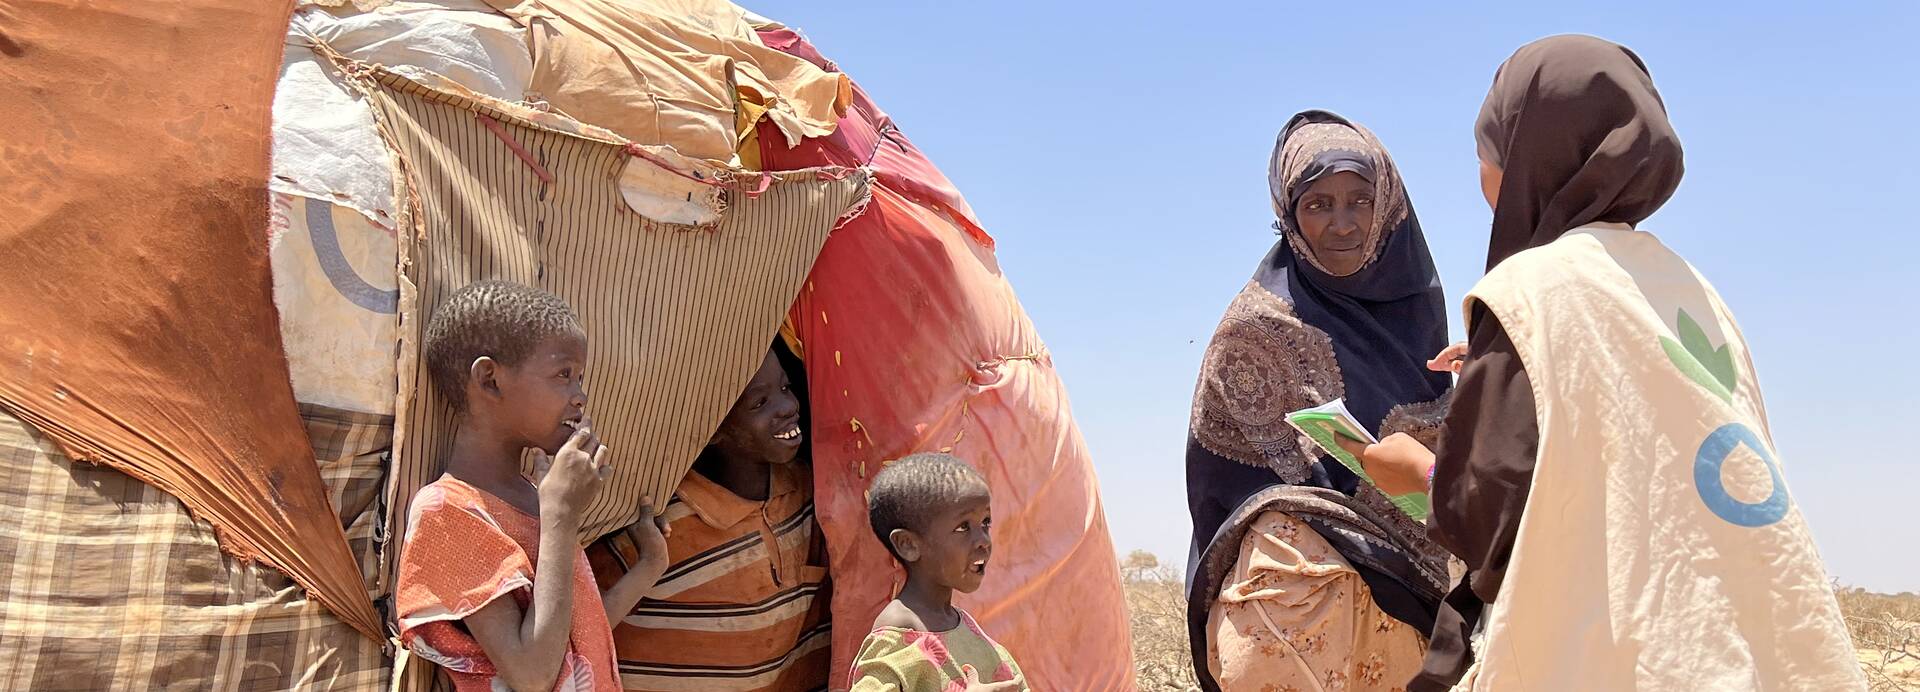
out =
column 1712, row 369
column 1695, row 356
column 1713, row 454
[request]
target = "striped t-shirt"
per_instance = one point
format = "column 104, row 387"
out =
column 744, row 605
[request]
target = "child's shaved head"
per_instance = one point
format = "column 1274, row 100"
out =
column 909, row 492
column 502, row 320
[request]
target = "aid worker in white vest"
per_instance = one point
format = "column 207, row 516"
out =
column 1606, row 471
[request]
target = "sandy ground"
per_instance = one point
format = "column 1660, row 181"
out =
column 1898, row 676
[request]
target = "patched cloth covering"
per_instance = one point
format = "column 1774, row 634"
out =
column 689, row 74
column 108, row 583
column 137, row 323
column 677, row 317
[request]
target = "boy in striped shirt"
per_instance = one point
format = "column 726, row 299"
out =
column 743, row 605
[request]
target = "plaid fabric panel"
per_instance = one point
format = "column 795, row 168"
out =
column 108, row 584
column 351, row 449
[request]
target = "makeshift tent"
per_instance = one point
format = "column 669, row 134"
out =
column 914, row 342
column 418, row 146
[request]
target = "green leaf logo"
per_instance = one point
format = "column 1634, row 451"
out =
column 1709, row 367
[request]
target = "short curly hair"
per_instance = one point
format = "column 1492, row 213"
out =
column 907, row 493
column 498, row 319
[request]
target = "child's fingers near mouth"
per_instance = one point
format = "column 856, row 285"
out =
column 602, row 463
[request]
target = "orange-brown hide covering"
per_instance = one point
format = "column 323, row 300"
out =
column 137, row 324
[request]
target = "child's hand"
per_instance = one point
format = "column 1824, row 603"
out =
column 971, row 678
column 570, row 479
column 650, row 534
column 1398, row 464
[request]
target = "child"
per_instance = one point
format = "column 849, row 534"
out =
column 511, row 361
column 932, row 512
column 745, row 604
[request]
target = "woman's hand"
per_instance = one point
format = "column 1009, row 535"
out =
column 1398, row 464
column 1449, row 359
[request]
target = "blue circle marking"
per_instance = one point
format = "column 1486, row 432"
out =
column 1713, row 454
column 340, row 272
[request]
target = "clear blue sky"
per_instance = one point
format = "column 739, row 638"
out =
column 1119, row 156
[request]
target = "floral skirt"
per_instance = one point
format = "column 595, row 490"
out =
column 1295, row 616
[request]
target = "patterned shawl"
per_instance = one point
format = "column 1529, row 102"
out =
column 1297, row 337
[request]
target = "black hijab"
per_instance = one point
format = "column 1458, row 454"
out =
column 1298, row 336
column 1385, row 319
column 1580, row 136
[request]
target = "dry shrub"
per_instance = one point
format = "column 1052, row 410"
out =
column 1157, row 602
column 1886, row 632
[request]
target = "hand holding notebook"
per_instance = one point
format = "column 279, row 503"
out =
column 1398, row 463
column 1327, row 424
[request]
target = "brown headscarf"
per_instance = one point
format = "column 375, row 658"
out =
column 1317, row 144
column 1579, row 132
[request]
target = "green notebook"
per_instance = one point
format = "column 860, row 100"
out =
column 1321, row 423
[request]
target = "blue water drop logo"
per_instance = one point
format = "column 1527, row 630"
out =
column 1714, row 452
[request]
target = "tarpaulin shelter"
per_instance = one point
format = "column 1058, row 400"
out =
column 417, row 146
column 914, row 342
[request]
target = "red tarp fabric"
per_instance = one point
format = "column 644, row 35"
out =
column 866, row 136
column 914, row 342
column 137, row 324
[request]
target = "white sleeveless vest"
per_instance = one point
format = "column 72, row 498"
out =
column 1660, row 548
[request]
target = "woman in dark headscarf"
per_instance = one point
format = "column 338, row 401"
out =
column 1607, row 384
column 1299, row 572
